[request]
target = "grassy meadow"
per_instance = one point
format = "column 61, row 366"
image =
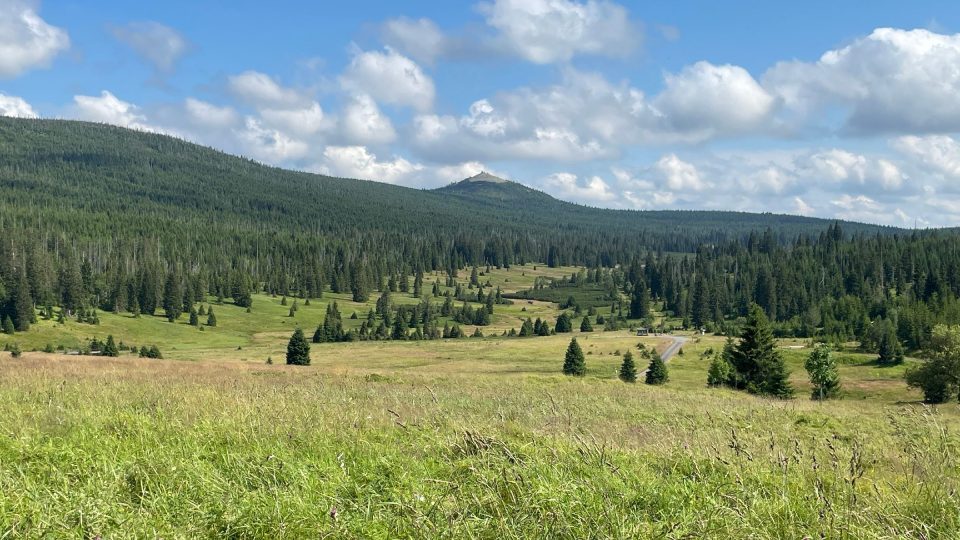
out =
column 468, row 438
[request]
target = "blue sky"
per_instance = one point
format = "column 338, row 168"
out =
column 816, row 108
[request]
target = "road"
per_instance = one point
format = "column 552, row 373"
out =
column 671, row 350
column 678, row 342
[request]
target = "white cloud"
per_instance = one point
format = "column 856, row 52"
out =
column 841, row 166
column 26, row 40
column 567, row 186
column 940, row 153
column 108, row 109
column 362, row 122
column 547, row 31
column 261, row 90
column 419, row 38
column 160, row 45
column 359, row 162
column 270, row 145
column 16, row 107
column 483, row 120
column 389, row 77
column 209, row 115
column 710, row 100
column 678, row 175
column 801, row 207
column 303, row 121
column 901, row 81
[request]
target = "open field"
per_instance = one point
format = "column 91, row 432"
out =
column 128, row 447
column 473, row 437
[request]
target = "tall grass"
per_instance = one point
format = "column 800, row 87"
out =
column 137, row 448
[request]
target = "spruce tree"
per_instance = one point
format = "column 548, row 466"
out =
column 822, row 369
column 628, row 369
column 110, row 347
column 564, row 323
column 298, row 350
column 211, row 318
column 890, row 351
column 758, row 365
column 657, row 370
column 172, row 297
column 573, row 361
column 194, row 317
column 585, row 325
column 640, row 301
column 22, row 304
column 8, row 327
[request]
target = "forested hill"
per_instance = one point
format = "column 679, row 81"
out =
column 86, row 183
column 99, row 216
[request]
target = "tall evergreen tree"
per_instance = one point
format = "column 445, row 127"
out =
column 628, row 369
column 23, row 312
column 657, row 370
column 564, row 323
column 585, row 325
column 640, row 301
column 298, row 350
column 110, row 347
column 758, row 366
column 172, row 296
column 573, row 362
column 211, row 318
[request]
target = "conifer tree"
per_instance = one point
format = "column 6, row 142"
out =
column 526, row 329
column 657, row 370
column 822, row 370
column 298, row 350
column 22, row 304
column 573, row 361
column 194, row 317
column 759, row 367
column 8, row 327
column 564, row 323
column 585, row 325
column 172, row 297
column 110, row 347
column 640, row 301
column 358, row 281
column 718, row 374
column 890, row 350
column 628, row 369
column 211, row 318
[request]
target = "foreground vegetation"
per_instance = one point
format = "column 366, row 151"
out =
column 156, row 448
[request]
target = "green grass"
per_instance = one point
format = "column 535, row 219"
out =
column 138, row 448
column 468, row 438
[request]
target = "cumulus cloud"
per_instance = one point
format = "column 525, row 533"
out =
column 569, row 187
column 160, row 45
column 362, row 122
column 938, row 153
column 679, row 175
column 259, row 89
column 270, row 145
column 109, row 109
column 359, row 162
column 389, row 77
column 547, row 31
column 708, row 100
column 16, row 107
column 422, row 39
column 208, row 114
column 26, row 40
column 302, row 121
column 892, row 81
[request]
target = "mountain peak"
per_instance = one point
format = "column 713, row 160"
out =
column 484, row 176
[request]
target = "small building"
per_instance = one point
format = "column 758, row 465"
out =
column 643, row 331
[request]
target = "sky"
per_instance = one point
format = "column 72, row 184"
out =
column 828, row 109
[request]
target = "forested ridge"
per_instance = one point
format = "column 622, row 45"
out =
column 94, row 216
